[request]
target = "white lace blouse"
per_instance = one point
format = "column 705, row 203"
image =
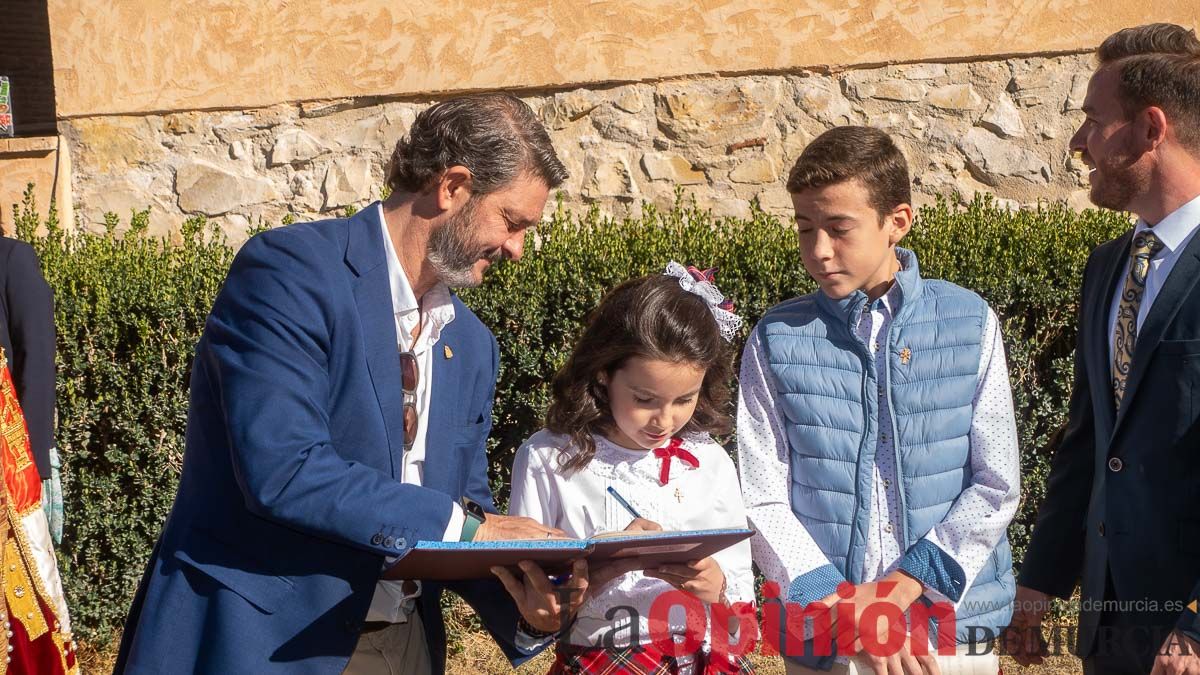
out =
column 707, row 496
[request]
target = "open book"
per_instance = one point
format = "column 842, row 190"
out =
column 455, row 560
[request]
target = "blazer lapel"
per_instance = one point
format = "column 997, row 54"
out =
column 445, row 401
column 1099, row 345
column 1170, row 298
column 373, row 296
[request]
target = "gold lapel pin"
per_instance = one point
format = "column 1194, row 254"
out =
column 449, row 352
column 905, row 355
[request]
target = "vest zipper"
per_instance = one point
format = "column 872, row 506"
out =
column 887, row 366
column 853, row 564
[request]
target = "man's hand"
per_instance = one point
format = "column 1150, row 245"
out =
column 702, row 578
column 544, row 605
column 1027, row 647
column 1179, row 655
column 497, row 527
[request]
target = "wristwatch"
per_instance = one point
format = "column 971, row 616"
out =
column 473, row 517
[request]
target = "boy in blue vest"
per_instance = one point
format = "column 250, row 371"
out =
column 876, row 435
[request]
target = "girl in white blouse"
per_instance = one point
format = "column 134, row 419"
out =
column 631, row 413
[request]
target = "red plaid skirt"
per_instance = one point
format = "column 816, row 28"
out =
column 642, row 660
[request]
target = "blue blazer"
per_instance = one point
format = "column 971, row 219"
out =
column 290, row 498
column 1121, row 506
column 27, row 336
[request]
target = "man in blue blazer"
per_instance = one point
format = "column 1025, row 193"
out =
column 1122, row 509
column 341, row 399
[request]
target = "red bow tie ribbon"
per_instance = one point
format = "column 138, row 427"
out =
column 673, row 449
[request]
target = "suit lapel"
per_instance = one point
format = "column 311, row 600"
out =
column 445, row 401
column 1099, row 348
column 373, row 296
column 1170, row 298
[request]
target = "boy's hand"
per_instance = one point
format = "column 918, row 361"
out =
column 702, row 578
column 903, row 662
column 897, row 589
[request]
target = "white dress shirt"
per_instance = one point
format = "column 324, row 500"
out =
column 704, row 497
column 433, row 313
column 783, row 547
column 1174, row 231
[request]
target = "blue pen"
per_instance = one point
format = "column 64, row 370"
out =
column 621, row 500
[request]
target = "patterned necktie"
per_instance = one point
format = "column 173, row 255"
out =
column 1145, row 246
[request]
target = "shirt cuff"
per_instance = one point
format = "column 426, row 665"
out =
column 935, row 569
column 454, row 528
column 815, row 585
column 529, row 644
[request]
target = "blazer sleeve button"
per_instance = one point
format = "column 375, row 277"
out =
column 387, row 542
column 401, row 543
column 377, row 539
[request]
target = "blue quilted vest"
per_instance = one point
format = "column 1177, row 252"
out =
column 828, row 395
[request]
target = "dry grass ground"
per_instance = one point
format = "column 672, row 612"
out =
column 480, row 656
column 474, row 653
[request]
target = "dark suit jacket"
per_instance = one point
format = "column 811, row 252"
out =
column 1123, row 495
column 290, row 499
column 27, row 335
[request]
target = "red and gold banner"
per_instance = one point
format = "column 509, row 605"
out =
column 37, row 632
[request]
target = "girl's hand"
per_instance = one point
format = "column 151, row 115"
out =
column 702, row 578
column 643, row 525
column 601, row 575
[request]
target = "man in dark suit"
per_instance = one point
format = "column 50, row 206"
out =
column 27, row 336
column 341, row 400
column 1122, row 508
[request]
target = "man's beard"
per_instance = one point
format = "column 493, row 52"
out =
column 453, row 250
column 1120, row 181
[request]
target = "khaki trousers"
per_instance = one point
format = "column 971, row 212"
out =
column 398, row 649
column 959, row 664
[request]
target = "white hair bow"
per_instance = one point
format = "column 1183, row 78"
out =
column 701, row 282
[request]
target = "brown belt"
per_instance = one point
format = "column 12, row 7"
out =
column 375, row 626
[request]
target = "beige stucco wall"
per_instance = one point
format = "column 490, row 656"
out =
column 43, row 161
column 132, row 56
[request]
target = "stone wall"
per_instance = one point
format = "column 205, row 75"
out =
column 1000, row 126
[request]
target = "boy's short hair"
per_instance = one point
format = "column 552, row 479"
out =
column 848, row 153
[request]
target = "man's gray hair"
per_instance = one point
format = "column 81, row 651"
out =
column 496, row 136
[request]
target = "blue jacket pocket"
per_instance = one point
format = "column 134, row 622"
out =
column 232, row 569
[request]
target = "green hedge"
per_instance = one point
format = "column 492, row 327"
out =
column 130, row 307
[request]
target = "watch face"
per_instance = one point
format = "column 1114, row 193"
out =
column 473, row 509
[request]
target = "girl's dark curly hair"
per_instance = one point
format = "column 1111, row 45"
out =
column 654, row 318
